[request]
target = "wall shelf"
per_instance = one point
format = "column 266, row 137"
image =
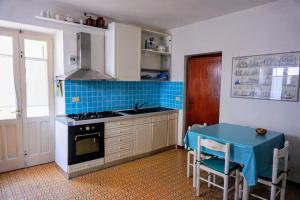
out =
column 156, row 52
column 68, row 23
column 154, row 70
column 156, row 32
column 155, row 65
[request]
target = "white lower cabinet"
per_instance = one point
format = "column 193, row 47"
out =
column 172, row 131
column 127, row 138
column 143, row 138
column 159, row 136
column 119, row 140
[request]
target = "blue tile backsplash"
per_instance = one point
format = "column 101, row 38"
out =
column 118, row 95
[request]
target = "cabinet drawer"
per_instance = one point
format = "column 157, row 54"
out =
column 118, row 140
column 118, row 148
column 117, row 124
column 159, row 118
column 118, row 155
column 145, row 120
column 173, row 116
column 118, row 131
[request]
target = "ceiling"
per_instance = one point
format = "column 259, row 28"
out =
column 162, row 14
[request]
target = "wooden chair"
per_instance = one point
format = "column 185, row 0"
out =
column 191, row 166
column 217, row 166
column 275, row 177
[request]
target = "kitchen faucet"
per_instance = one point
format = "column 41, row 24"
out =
column 137, row 106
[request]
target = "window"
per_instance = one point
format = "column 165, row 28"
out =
column 8, row 102
column 36, row 64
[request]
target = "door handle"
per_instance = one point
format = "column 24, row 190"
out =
column 86, row 135
column 18, row 112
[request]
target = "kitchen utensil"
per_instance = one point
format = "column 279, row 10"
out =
column 100, row 22
column 161, row 48
column 43, row 13
column 58, row 17
column 69, row 19
column 150, row 43
column 89, row 21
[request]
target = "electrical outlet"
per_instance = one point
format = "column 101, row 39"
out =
column 177, row 99
column 73, row 60
column 75, row 99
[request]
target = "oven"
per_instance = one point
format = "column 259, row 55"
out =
column 86, row 142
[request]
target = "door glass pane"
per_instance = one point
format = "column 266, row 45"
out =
column 8, row 102
column 36, row 78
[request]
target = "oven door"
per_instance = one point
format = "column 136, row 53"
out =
column 85, row 147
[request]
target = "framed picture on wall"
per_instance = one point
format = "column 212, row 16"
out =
column 269, row 76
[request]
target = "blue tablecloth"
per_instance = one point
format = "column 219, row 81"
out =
column 254, row 152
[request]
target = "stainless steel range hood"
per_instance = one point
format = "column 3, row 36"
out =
column 84, row 72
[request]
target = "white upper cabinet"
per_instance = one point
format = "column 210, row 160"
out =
column 123, row 51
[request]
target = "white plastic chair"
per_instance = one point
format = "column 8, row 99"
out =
column 191, row 166
column 217, row 166
column 275, row 177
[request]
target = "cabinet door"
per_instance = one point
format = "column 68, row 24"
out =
column 172, row 132
column 128, row 50
column 160, row 132
column 143, row 138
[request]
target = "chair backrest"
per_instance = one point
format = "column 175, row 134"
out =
column 215, row 146
column 277, row 155
column 197, row 126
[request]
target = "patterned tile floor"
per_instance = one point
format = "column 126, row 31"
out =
column 162, row 176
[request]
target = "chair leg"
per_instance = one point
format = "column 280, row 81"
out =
column 194, row 169
column 214, row 178
column 209, row 180
column 273, row 192
column 197, row 175
column 245, row 190
column 237, row 180
column 282, row 189
column 188, row 165
column 225, row 192
column 240, row 190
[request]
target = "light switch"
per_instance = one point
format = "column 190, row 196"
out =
column 75, row 99
column 177, row 98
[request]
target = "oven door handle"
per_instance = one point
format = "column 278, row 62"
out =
column 86, row 135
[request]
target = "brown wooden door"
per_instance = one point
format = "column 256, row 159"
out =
column 203, row 89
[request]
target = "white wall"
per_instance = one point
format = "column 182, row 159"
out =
column 271, row 28
column 20, row 14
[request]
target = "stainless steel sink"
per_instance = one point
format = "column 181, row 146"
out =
column 145, row 110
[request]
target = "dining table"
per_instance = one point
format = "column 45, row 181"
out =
column 252, row 151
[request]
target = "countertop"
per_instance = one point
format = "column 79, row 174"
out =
column 71, row 122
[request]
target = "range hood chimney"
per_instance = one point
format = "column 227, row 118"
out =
column 85, row 72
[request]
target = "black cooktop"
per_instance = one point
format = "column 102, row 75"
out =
column 93, row 115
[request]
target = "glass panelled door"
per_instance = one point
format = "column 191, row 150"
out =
column 37, row 104
column 11, row 145
column 26, row 103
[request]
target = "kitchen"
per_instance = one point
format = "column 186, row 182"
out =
column 118, row 94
